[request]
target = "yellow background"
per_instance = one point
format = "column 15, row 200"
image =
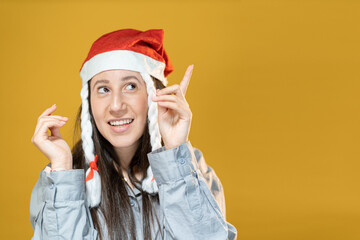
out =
column 274, row 94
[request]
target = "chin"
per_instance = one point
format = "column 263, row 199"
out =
column 123, row 143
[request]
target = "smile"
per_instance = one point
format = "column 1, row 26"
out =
column 121, row 122
column 121, row 126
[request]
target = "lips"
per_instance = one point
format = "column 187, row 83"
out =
column 121, row 122
column 120, row 125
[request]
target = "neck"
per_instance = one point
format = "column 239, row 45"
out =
column 125, row 155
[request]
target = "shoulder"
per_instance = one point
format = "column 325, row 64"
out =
column 203, row 166
column 211, row 179
column 198, row 153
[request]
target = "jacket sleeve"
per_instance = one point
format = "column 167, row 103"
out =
column 191, row 196
column 58, row 209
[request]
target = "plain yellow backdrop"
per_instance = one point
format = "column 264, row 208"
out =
column 274, row 94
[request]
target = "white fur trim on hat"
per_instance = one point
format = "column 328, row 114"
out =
column 122, row 59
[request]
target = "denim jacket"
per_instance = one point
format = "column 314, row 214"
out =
column 191, row 206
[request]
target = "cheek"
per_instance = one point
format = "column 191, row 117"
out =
column 144, row 105
column 96, row 107
column 140, row 104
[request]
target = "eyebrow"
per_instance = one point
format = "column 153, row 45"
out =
column 127, row 78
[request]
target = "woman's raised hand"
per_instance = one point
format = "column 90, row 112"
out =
column 174, row 112
column 53, row 147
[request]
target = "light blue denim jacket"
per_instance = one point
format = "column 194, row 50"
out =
column 192, row 204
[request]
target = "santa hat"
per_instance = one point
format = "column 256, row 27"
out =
column 126, row 49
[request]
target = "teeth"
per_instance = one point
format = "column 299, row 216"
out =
column 121, row 122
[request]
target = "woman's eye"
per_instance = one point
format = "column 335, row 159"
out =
column 103, row 90
column 130, row 86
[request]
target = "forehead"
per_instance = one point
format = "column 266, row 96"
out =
column 117, row 74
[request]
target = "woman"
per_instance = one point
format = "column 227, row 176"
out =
column 144, row 180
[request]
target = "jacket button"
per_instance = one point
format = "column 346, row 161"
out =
column 181, row 160
column 132, row 203
column 52, row 186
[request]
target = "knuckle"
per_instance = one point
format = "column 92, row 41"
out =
column 34, row 141
column 189, row 112
column 41, row 119
column 190, row 115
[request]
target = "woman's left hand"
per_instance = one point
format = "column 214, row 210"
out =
column 174, row 112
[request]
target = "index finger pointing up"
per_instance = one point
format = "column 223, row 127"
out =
column 186, row 80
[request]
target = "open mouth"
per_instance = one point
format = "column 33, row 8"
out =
column 121, row 123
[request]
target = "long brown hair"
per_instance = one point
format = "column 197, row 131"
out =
column 115, row 203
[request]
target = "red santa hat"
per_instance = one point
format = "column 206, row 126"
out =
column 126, row 49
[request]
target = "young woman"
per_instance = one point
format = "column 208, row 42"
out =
column 143, row 178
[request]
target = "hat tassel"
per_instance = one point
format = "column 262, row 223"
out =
column 93, row 184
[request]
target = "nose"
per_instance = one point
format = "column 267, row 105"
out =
column 117, row 104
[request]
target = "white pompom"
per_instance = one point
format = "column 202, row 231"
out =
column 93, row 189
column 149, row 184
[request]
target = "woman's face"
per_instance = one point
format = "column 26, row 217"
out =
column 119, row 106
